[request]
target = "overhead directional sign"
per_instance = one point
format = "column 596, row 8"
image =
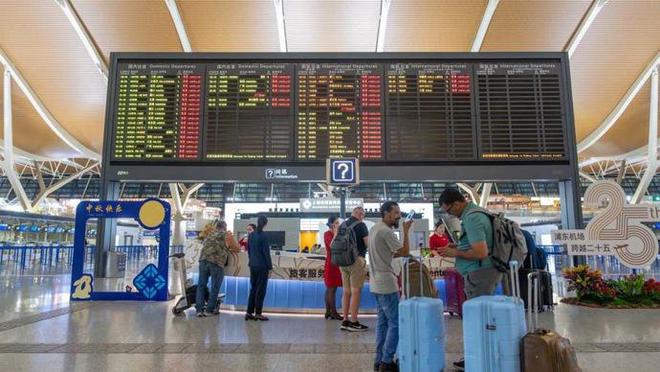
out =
column 343, row 171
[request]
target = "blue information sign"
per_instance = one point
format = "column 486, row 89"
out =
column 343, row 171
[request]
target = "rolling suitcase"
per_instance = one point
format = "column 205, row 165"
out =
column 545, row 290
column 544, row 350
column 421, row 346
column 455, row 291
column 492, row 329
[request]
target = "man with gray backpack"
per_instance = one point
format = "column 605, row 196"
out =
column 487, row 244
column 348, row 250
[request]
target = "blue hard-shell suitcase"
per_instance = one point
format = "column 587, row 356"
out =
column 421, row 345
column 493, row 328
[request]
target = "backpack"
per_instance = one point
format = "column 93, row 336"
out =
column 343, row 249
column 536, row 257
column 508, row 240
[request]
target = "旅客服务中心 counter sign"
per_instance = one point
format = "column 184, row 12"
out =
column 616, row 230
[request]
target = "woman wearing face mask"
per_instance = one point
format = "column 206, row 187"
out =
column 331, row 273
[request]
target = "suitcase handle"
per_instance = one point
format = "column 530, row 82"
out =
column 514, row 279
column 406, row 276
column 533, row 280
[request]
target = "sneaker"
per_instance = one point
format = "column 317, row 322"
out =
column 460, row 365
column 388, row 367
column 345, row 325
column 260, row 317
column 201, row 314
column 357, row 327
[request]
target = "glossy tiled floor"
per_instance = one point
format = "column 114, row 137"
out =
column 38, row 331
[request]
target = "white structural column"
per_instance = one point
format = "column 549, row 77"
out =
column 382, row 25
column 622, row 171
column 47, row 117
column 180, row 199
column 472, row 191
column 281, row 24
column 616, row 113
column 178, row 24
column 59, row 184
column 483, row 27
column 485, row 194
column 652, row 156
column 596, row 7
column 587, row 177
column 8, row 161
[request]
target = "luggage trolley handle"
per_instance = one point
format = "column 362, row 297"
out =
column 533, row 280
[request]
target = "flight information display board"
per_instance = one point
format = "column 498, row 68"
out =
column 520, row 111
column 429, row 112
column 300, row 109
column 249, row 111
column 158, row 112
column 339, row 111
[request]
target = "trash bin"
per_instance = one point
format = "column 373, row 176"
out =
column 115, row 265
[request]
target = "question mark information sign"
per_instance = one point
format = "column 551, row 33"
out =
column 343, row 171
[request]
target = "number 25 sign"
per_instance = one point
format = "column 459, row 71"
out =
column 616, row 230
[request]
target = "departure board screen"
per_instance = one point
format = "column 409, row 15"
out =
column 158, row 112
column 249, row 111
column 339, row 111
column 520, row 111
column 429, row 112
column 300, row 109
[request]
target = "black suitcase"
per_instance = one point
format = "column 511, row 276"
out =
column 545, row 289
column 189, row 301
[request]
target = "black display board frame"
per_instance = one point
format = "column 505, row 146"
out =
column 306, row 171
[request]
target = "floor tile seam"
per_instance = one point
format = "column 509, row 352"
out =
column 36, row 318
column 270, row 348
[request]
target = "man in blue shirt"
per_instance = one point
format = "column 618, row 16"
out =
column 471, row 253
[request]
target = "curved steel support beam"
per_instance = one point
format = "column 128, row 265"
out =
column 382, row 25
column 584, row 25
column 50, row 120
column 84, row 36
column 178, row 24
column 620, row 108
column 652, row 156
column 483, row 27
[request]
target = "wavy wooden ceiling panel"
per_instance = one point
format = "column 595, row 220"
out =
column 30, row 132
column 44, row 47
column 331, row 26
column 230, row 26
column 630, row 132
column 623, row 39
column 433, row 26
column 533, row 25
column 129, row 25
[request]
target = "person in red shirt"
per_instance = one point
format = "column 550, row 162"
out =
column 331, row 273
column 438, row 239
column 243, row 243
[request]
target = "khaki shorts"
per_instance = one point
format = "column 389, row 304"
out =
column 353, row 276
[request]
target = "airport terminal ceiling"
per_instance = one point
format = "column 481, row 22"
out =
column 274, row 117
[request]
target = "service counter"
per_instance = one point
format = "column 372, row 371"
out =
column 296, row 283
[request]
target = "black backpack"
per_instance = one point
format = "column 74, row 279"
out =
column 343, row 249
